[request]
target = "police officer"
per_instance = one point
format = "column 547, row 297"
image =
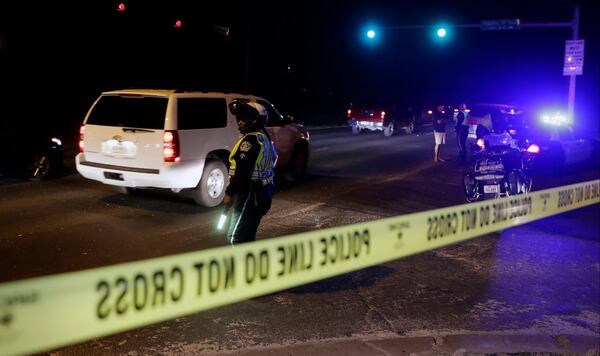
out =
column 251, row 172
column 462, row 132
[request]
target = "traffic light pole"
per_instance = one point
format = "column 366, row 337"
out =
column 469, row 25
column 574, row 24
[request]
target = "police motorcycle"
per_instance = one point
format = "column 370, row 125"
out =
column 501, row 167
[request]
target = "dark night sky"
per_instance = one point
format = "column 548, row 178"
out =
column 80, row 48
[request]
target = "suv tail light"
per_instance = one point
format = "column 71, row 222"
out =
column 349, row 112
column 81, row 134
column 171, row 146
column 383, row 114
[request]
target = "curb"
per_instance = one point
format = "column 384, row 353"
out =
column 458, row 344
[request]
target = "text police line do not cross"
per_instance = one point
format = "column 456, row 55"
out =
column 139, row 291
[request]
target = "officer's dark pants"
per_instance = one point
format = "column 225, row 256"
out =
column 248, row 209
column 461, row 138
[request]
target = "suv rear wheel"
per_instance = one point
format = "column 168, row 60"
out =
column 211, row 188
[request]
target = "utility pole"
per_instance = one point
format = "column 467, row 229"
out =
column 573, row 77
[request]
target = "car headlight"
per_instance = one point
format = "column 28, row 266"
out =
column 57, row 141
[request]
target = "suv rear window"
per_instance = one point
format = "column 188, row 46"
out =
column 201, row 113
column 129, row 111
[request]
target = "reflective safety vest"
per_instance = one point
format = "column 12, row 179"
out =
column 265, row 162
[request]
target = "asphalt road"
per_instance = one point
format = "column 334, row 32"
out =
column 537, row 279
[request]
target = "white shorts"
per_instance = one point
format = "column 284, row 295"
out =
column 440, row 138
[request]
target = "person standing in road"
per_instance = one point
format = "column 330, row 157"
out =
column 250, row 188
column 439, row 132
column 462, row 132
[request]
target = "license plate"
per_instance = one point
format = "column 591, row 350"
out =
column 491, row 189
column 116, row 148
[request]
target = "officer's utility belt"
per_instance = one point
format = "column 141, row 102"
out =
column 263, row 182
column 263, row 177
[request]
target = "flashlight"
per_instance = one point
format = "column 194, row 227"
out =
column 222, row 220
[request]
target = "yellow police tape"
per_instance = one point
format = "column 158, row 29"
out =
column 43, row 313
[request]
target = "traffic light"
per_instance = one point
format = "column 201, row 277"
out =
column 441, row 33
column 121, row 7
column 370, row 35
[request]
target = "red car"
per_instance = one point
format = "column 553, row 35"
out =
column 388, row 119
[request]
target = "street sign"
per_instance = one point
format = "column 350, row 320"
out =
column 574, row 50
column 503, row 24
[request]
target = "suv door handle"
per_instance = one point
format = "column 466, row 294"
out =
column 136, row 130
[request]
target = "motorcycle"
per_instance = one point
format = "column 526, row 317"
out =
column 501, row 167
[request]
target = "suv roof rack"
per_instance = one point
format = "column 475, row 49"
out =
column 190, row 90
column 196, row 90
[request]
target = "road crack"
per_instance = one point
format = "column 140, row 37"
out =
column 371, row 309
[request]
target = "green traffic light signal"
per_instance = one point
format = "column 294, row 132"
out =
column 441, row 33
column 370, row 35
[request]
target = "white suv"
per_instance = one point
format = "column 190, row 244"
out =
column 177, row 140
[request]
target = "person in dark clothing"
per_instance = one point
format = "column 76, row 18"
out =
column 251, row 171
column 439, row 132
column 462, row 132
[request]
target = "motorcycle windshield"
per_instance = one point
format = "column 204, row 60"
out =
column 495, row 140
